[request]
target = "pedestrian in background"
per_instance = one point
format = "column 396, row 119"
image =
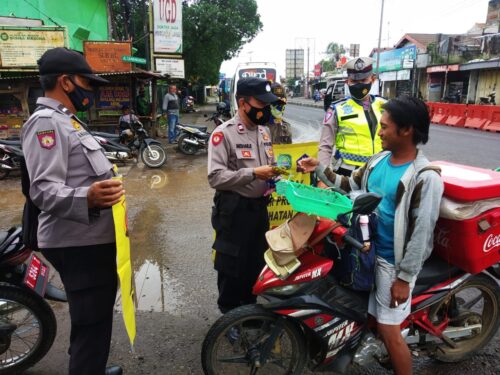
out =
column 171, row 108
column 70, row 182
column 351, row 124
column 281, row 132
column 240, row 155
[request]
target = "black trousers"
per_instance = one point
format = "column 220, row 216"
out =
column 90, row 280
column 240, row 224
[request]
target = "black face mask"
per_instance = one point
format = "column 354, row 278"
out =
column 81, row 98
column 259, row 116
column 360, row 90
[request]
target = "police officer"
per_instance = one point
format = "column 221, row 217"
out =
column 240, row 156
column 351, row 124
column 280, row 129
column 70, row 182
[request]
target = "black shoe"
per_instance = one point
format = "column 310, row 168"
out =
column 113, row 370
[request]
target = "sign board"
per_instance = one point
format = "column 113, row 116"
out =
column 408, row 64
column 106, row 57
column 113, row 97
column 354, row 50
column 294, row 63
column 397, row 75
column 443, row 68
column 173, row 67
column 133, row 59
column 393, row 59
column 317, row 70
column 264, row 73
column 167, row 26
column 21, row 48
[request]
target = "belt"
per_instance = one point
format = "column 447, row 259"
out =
column 259, row 201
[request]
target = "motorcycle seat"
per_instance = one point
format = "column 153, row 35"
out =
column 435, row 271
column 11, row 142
column 107, row 135
column 202, row 129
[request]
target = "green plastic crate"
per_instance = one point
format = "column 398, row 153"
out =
column 314, row 201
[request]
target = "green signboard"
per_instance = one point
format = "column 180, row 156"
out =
column 133, row 59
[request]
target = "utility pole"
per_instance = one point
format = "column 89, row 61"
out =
column 380, row 37
column 307, row 72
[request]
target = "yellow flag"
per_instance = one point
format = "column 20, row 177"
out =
column 124, row 266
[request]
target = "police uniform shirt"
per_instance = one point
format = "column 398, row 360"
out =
column 63, row 160
column 234, row 151
column 330, row 128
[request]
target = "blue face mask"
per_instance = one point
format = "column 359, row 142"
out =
column 81, row 98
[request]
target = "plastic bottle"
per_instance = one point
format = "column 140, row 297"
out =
column 365, row 231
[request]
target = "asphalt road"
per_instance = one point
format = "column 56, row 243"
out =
column 171, row 237
column 463, row 146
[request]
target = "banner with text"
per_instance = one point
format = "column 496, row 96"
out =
column 172, row 67
column 167, row 26
column 286, row 156
column 21, row 48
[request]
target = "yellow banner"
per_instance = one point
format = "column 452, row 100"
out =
column 286, row 156
column 22, row 48
column 124, row 267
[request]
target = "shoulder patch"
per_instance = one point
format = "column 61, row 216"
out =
column 217, row 138
column 76, row 125
column 46, row 138
column 328, row 117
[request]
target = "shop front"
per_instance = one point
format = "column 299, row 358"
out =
column 447, row 83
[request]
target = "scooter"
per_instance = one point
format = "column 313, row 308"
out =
column 309, row 319
column 489, row 100
column 10, row 157
column 129, row 144
column 27, row 323
column 192, row 138
column 187, row 104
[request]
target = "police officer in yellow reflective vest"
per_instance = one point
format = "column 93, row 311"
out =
column 351, row 125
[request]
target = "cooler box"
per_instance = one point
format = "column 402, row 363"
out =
column 470, row 243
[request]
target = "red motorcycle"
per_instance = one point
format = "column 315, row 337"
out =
column 309, row 319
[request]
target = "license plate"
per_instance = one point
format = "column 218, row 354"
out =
column 37, row 275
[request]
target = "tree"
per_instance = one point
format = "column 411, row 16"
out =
column 214, row 31
column 334, row 51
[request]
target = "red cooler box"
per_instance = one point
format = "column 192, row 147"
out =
column 472, row 244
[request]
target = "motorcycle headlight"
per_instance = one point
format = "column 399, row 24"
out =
column 286, row 290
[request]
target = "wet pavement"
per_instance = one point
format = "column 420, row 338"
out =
column 171, row 236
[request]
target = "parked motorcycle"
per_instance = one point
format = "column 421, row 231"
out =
column 10, row 157
column 489, row 100
column 311, row 320
column 192, row 138
column 27, row 323
column 130, row 144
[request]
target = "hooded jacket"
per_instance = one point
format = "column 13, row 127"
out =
column 418, row 197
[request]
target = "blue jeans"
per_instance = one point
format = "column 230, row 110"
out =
column 173, row 120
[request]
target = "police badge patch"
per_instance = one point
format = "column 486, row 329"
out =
column 347, row 109
column 328, row 116
column 46, row 138
column 217, row 138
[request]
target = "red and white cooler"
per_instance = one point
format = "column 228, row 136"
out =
column 467, row 233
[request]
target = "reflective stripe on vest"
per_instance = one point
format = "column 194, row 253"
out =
column 354, row 140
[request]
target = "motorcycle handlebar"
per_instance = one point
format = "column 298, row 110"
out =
column 353, row 242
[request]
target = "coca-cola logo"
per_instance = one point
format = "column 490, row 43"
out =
column 491, row 242
column 441, row 237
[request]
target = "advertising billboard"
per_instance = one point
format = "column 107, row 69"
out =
column 167, row 26
column 21, row 48
column 106, row 57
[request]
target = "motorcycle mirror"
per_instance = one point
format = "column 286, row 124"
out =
column 366, row 203
column 205, row 115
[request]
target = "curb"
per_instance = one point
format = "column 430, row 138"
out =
column 311, row 105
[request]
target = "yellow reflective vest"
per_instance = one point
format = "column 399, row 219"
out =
column 354, row 141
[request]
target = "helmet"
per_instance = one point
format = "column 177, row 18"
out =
column 221, row 107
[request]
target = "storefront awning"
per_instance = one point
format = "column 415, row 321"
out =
column 139, row 73
column 443, row 68
column 489, row 64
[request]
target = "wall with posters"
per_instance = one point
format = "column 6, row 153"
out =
column 167, row 26
column 20, row 47
column 85, row 20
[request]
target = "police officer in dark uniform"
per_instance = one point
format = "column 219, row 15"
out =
column 240, row 158
column 70, row 182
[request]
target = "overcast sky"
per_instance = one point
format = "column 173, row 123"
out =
column 287, row 24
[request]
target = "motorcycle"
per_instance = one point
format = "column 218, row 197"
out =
column 489, row 100
column 310, row 319
column 192, row 138
column 10, row 157
column 27, row 323
column 130, row 144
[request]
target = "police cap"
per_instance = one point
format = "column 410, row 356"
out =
column 359, row 68
column 61, row 60
column 258, row 88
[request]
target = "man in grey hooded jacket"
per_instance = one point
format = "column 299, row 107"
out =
column 411, row 189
